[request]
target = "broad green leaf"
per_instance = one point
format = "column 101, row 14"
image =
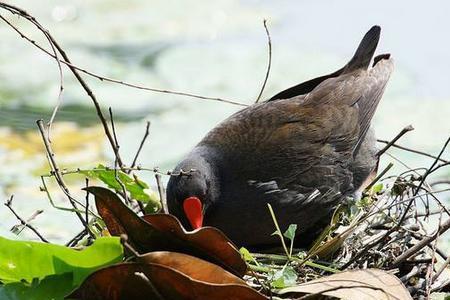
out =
column 284, row 278
column 136, row 187
column 25, row 261
column 53, row 287
column 290, row 232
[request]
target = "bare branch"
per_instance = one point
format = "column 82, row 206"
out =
column 424, row 242
column 116, row 148
column 269, row 63
column 411, row 150
column 112, row 80
column 144, row 138
column 396, row 138
column 56, row 172
column 8, row 204
column 77, row 238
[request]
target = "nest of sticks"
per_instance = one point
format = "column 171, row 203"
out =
column 398, row 225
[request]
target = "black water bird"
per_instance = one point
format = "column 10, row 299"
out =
column 303, row 151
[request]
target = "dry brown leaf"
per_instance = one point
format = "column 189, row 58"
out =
column 191, row 266
column 209, row 239
column 140, row 281
column 354, row 285
column 165, row 233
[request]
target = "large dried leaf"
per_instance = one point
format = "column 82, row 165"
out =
column 113, row 283
column 140, row 281
column 191, row 266
column 165, row 233
column 209, row 239
column 354, row 285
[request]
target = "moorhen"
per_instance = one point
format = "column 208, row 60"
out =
column 304, row 151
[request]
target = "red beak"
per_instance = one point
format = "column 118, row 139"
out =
column 193, row 208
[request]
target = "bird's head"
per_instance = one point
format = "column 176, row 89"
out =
column 191, row 190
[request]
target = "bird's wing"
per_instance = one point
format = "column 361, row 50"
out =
column 361, row 90
column 361, row 59
column 306, row 207
column 304, row 87
column 290, row 143
column 377, row 80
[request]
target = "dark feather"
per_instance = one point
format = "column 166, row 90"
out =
column 360, row 59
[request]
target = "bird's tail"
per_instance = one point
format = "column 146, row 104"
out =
column 366, row 49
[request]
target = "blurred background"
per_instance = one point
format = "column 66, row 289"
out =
column 215, row 48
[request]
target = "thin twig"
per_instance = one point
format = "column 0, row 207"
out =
column 141, row 145
column 59, row 179
column 424, row 242
column 87, row 202
column 441, row 269
column 138, row 168
column 77, row 238
column 54, row 55
column 429, row 186
column 424, row 177
column 379, row 176
column 441, row 286
column 112, row 80
column 440, row 166
column 414, row 271
column 411, row 150
column 269, row 62
column 116, row 148
column 133, row 164
column 8, row 204
column 22, row 13
column 396, row 138
column 438, row 182
column 430, row 278
column 402, row 218
column 45, row 189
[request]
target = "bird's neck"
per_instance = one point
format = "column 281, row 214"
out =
column 206, row 160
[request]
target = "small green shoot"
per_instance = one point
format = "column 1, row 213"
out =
column 290, row 234
column 278, row 230
column 248, row 257
column 284, row 278
column 137, row 188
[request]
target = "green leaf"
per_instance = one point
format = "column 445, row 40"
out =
column 377, row 188
column 53, row 287
column 284, row 278
column 133, row 185
column 290, row 232
column 440, row 296
column 248, row 257
column 25, row 261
